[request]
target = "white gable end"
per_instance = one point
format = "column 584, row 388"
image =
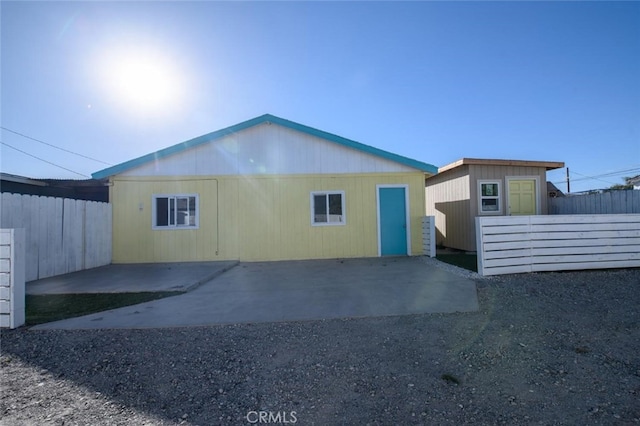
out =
column 268, row 149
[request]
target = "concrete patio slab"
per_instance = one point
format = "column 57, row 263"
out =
column 299, row 290
column 132, row 278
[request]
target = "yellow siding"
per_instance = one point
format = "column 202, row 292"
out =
column 134, row 240
column 256, row 218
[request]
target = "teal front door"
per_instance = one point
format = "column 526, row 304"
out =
column 392, row 216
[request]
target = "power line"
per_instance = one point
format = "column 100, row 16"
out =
column 41, row 159
column 615, row 173
column 53, row 146
column 585, row 177
column 596, row 177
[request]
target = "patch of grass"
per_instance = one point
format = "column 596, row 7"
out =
column 466, row 261
column 54, row 307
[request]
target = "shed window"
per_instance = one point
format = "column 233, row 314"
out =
column 327, row 208
column 489, row 197
column 175, row 211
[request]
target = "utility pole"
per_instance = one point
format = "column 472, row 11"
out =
column 568, row 184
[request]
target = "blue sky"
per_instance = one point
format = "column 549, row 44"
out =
column 434, row 81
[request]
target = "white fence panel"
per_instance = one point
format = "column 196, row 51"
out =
column 429, row 236
column 97, row 233
column 611, row 202
column 515, row 244
column 12, row 278
column 62, row 235
column 72, row 234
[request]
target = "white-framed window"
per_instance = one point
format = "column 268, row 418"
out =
column 327, row 208
column 489, row 197
column 175, row 211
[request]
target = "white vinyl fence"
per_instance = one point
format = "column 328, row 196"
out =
column 611, row 202
column 514, row 244
column 429, row 236
column 12, row 304
column 62, row 235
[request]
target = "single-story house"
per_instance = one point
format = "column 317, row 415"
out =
column 266, row 189
column 553, row 191
column 473, row 187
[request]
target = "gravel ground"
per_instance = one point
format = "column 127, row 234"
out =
column 553, row 348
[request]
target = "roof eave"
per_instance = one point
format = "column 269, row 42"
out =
column 548, row 165
column 266, row 118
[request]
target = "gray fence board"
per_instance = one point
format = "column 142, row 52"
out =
column 611, row 202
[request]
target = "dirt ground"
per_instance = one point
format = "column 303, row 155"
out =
column 553, row 348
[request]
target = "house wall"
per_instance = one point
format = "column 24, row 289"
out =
column 267, row 149
column 481, row 172
column 452, row 197
column 256, row 217
column 447, row 198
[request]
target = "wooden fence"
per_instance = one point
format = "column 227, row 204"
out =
column 611, row 202
column 61, row 235
column 514, row 244
column 429, row 236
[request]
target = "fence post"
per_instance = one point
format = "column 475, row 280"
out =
column 432, row 236
column 12, row 275
column 429, row 236
column 479, row 245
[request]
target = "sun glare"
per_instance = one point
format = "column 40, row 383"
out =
column 141, row 81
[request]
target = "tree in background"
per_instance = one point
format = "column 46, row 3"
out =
column 629, row 183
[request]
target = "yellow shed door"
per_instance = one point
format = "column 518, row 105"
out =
column 522, row 197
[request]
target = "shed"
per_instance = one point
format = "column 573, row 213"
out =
column 266, row 189
column 473, row 187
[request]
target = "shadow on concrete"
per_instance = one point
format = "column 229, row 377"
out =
column 296, row 291
column 132, row 278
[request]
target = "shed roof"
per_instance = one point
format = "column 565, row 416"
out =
column 548, row 165
column 266, row 118
column 21, row 179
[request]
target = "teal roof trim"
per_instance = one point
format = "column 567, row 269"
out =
column 266, row 118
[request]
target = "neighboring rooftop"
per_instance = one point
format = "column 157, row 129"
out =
column 82, row 189
column 548, row 165
column 6, row 177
